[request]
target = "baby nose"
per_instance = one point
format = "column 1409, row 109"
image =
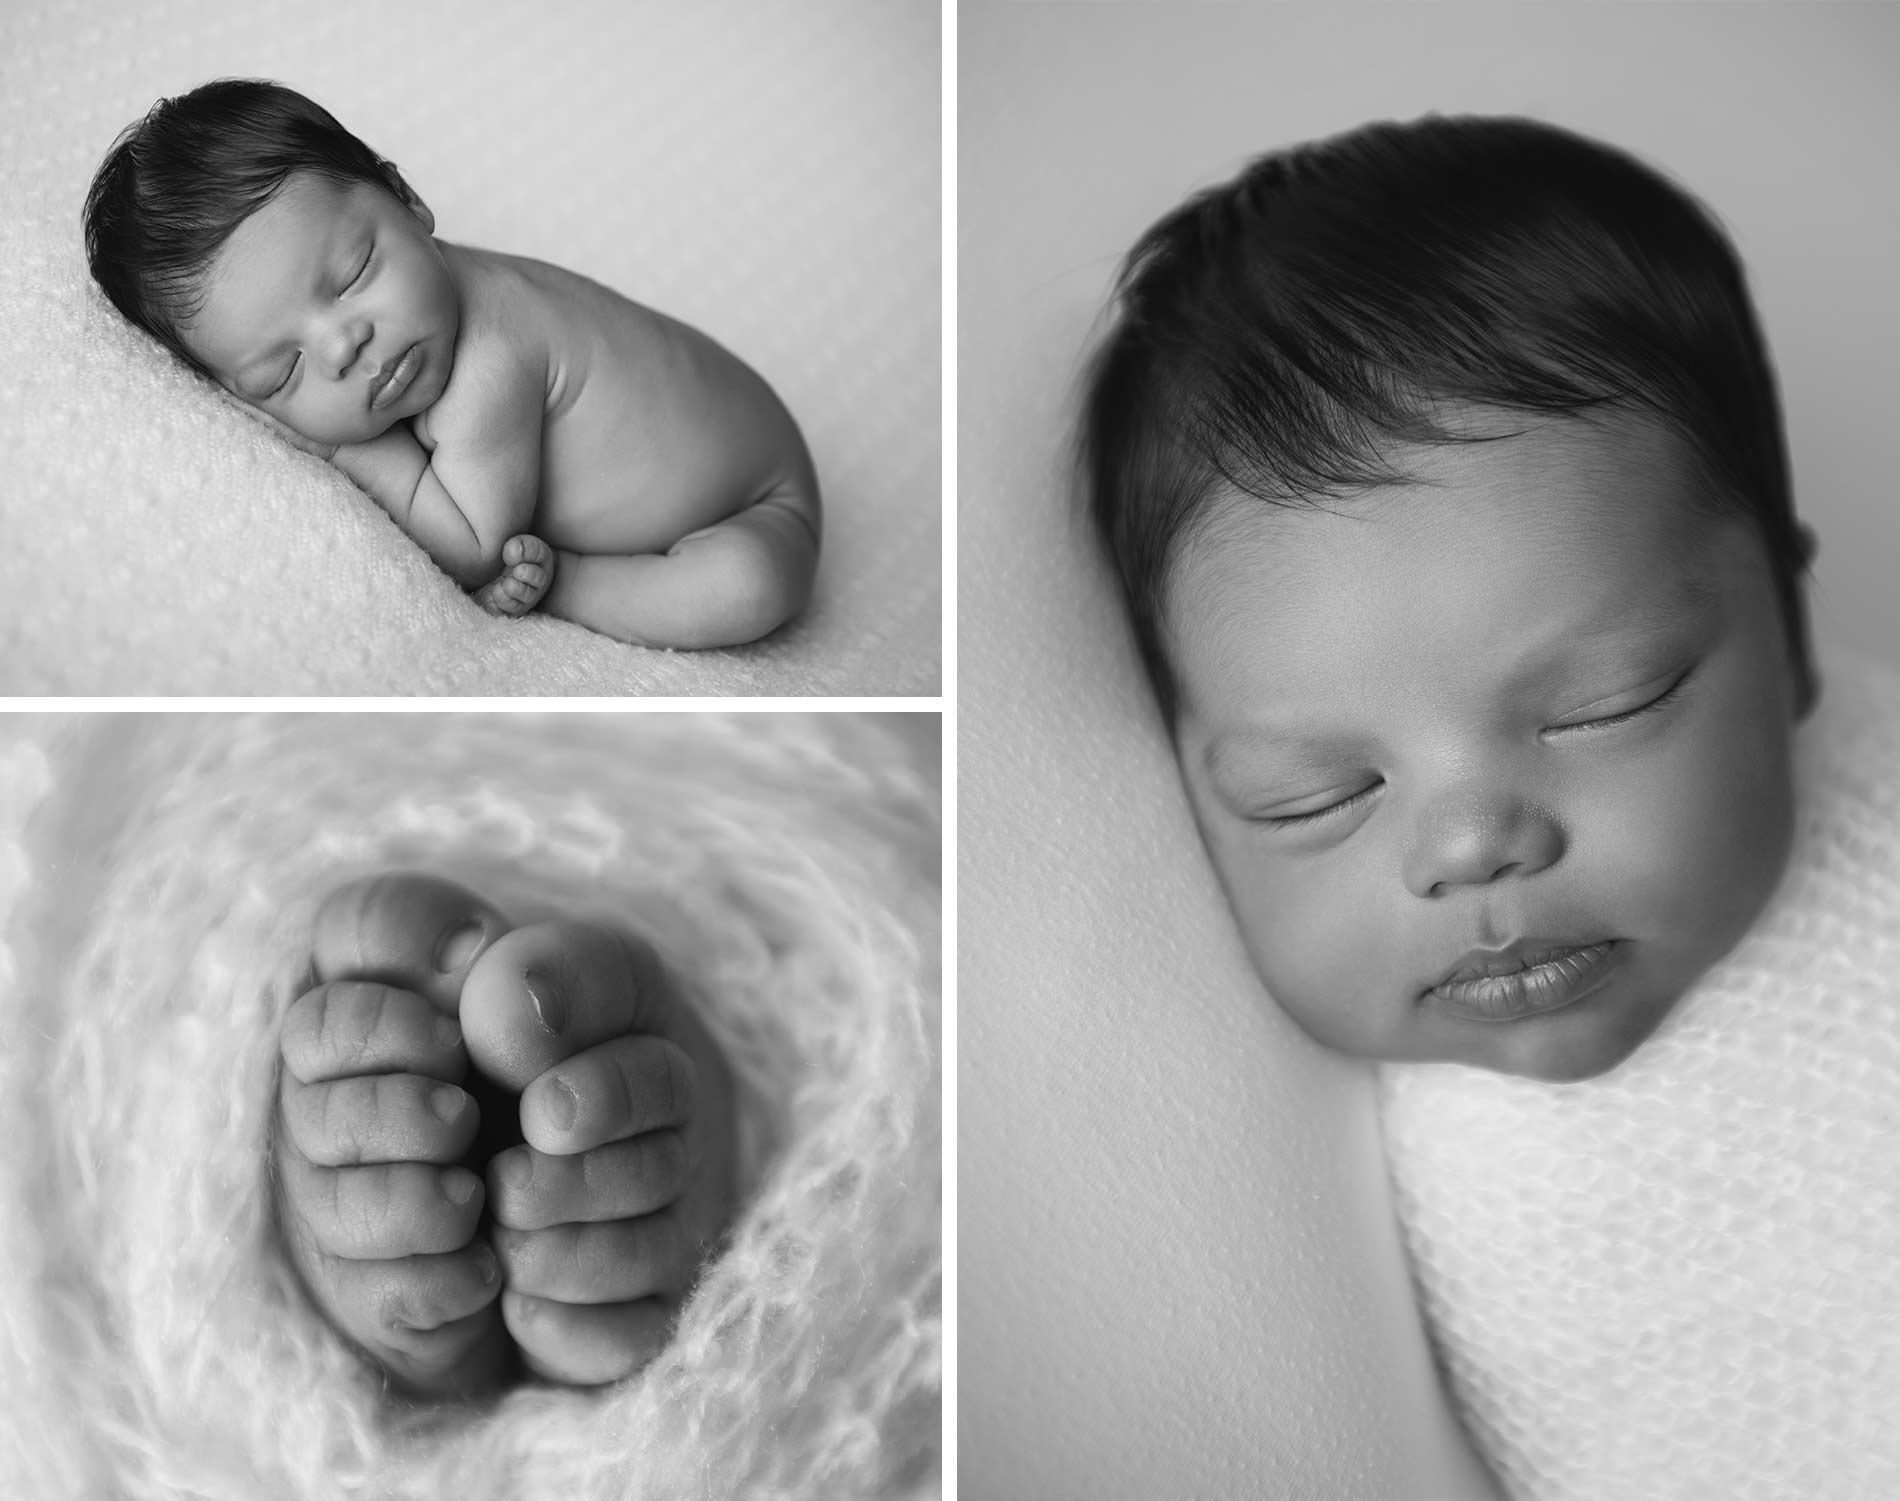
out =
column 1469, row 841
column 344, row 343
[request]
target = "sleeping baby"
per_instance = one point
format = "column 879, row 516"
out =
column 543, row 438
column 498, row 1151
column 1443, row 472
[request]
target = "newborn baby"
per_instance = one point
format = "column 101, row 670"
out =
column 495, row 1149
column 1443, row 473
column 543, row 438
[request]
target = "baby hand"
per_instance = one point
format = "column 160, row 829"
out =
column 379, row 1222
column 625, row 1181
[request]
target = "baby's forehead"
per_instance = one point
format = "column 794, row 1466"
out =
column 1485, row 550
column 1626, row 486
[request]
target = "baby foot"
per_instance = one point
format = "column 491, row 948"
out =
column 379, row 1220
column 527, row 568
column 624, row 1183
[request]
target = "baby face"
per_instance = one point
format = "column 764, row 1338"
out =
column 313, row 303
column 1532, row 715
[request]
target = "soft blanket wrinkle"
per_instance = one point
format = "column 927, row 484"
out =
column 158, row 880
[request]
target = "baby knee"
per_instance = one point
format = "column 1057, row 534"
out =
column 760, row 587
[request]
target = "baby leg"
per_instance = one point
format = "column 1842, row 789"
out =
column 625, row 1181
column 723, row 585
column 375, row 1198
column 527, row 568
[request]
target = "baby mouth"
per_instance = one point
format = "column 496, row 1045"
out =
column 1526, row 979
column 392, row 382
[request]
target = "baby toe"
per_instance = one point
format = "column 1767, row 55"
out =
column 587, row 1346
column 544, row 992
column 385, row 1211
column 380, row 1118
column 405, row 928
column 350, row 1027
column 432, row 1321
column 608, row 1262
column 621, row 1088
column 530, row 1190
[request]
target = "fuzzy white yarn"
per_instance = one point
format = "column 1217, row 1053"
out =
column 1683, row 1279
column 158, row 879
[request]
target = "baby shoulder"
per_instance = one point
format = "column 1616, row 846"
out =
column 499, row 385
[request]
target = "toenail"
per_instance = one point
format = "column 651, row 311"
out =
column 446, row 1102
column 516, row 1169
column 458, row 1188
column 457, row 947
column 448, row 1032
column 563, row 1105
column 486, row 1266
column 549, row 1004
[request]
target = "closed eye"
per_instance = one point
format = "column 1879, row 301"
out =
column 1331, row 810
column 1661, row 700
column 368, row 256
column 286, row 380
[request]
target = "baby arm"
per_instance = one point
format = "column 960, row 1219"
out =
column 478, row 490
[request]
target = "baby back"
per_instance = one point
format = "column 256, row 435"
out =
column 653, row 430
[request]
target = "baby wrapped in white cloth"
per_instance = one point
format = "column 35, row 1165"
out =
column 1683, row 1279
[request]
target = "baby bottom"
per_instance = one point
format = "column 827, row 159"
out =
column 498, row 1150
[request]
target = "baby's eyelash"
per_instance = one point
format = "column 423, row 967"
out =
column 1667, row 696
column 1295, row 820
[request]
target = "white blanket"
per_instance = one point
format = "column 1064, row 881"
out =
column 769, row 173
column 158, row 880
column 1683, row 1279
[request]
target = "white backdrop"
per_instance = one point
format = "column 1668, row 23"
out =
column 1178, row 1273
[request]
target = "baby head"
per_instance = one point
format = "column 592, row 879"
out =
column 271, row 250
column 1443, row 469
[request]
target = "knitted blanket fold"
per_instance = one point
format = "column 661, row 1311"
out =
column 158, row 880
column 1683, row 1279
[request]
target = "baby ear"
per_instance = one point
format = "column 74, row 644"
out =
column 416, row 206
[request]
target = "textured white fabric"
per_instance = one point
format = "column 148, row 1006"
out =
column 770, row 173
column 158, row 879
column 1683, row 1279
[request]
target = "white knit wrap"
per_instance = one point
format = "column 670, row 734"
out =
column 158, row 880
column 1683, row 1279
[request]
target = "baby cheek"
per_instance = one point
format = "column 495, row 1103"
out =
column 1319, row 944
column 1692, row 851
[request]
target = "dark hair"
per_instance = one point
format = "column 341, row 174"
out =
column 1278, row 332
column 177, row 183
